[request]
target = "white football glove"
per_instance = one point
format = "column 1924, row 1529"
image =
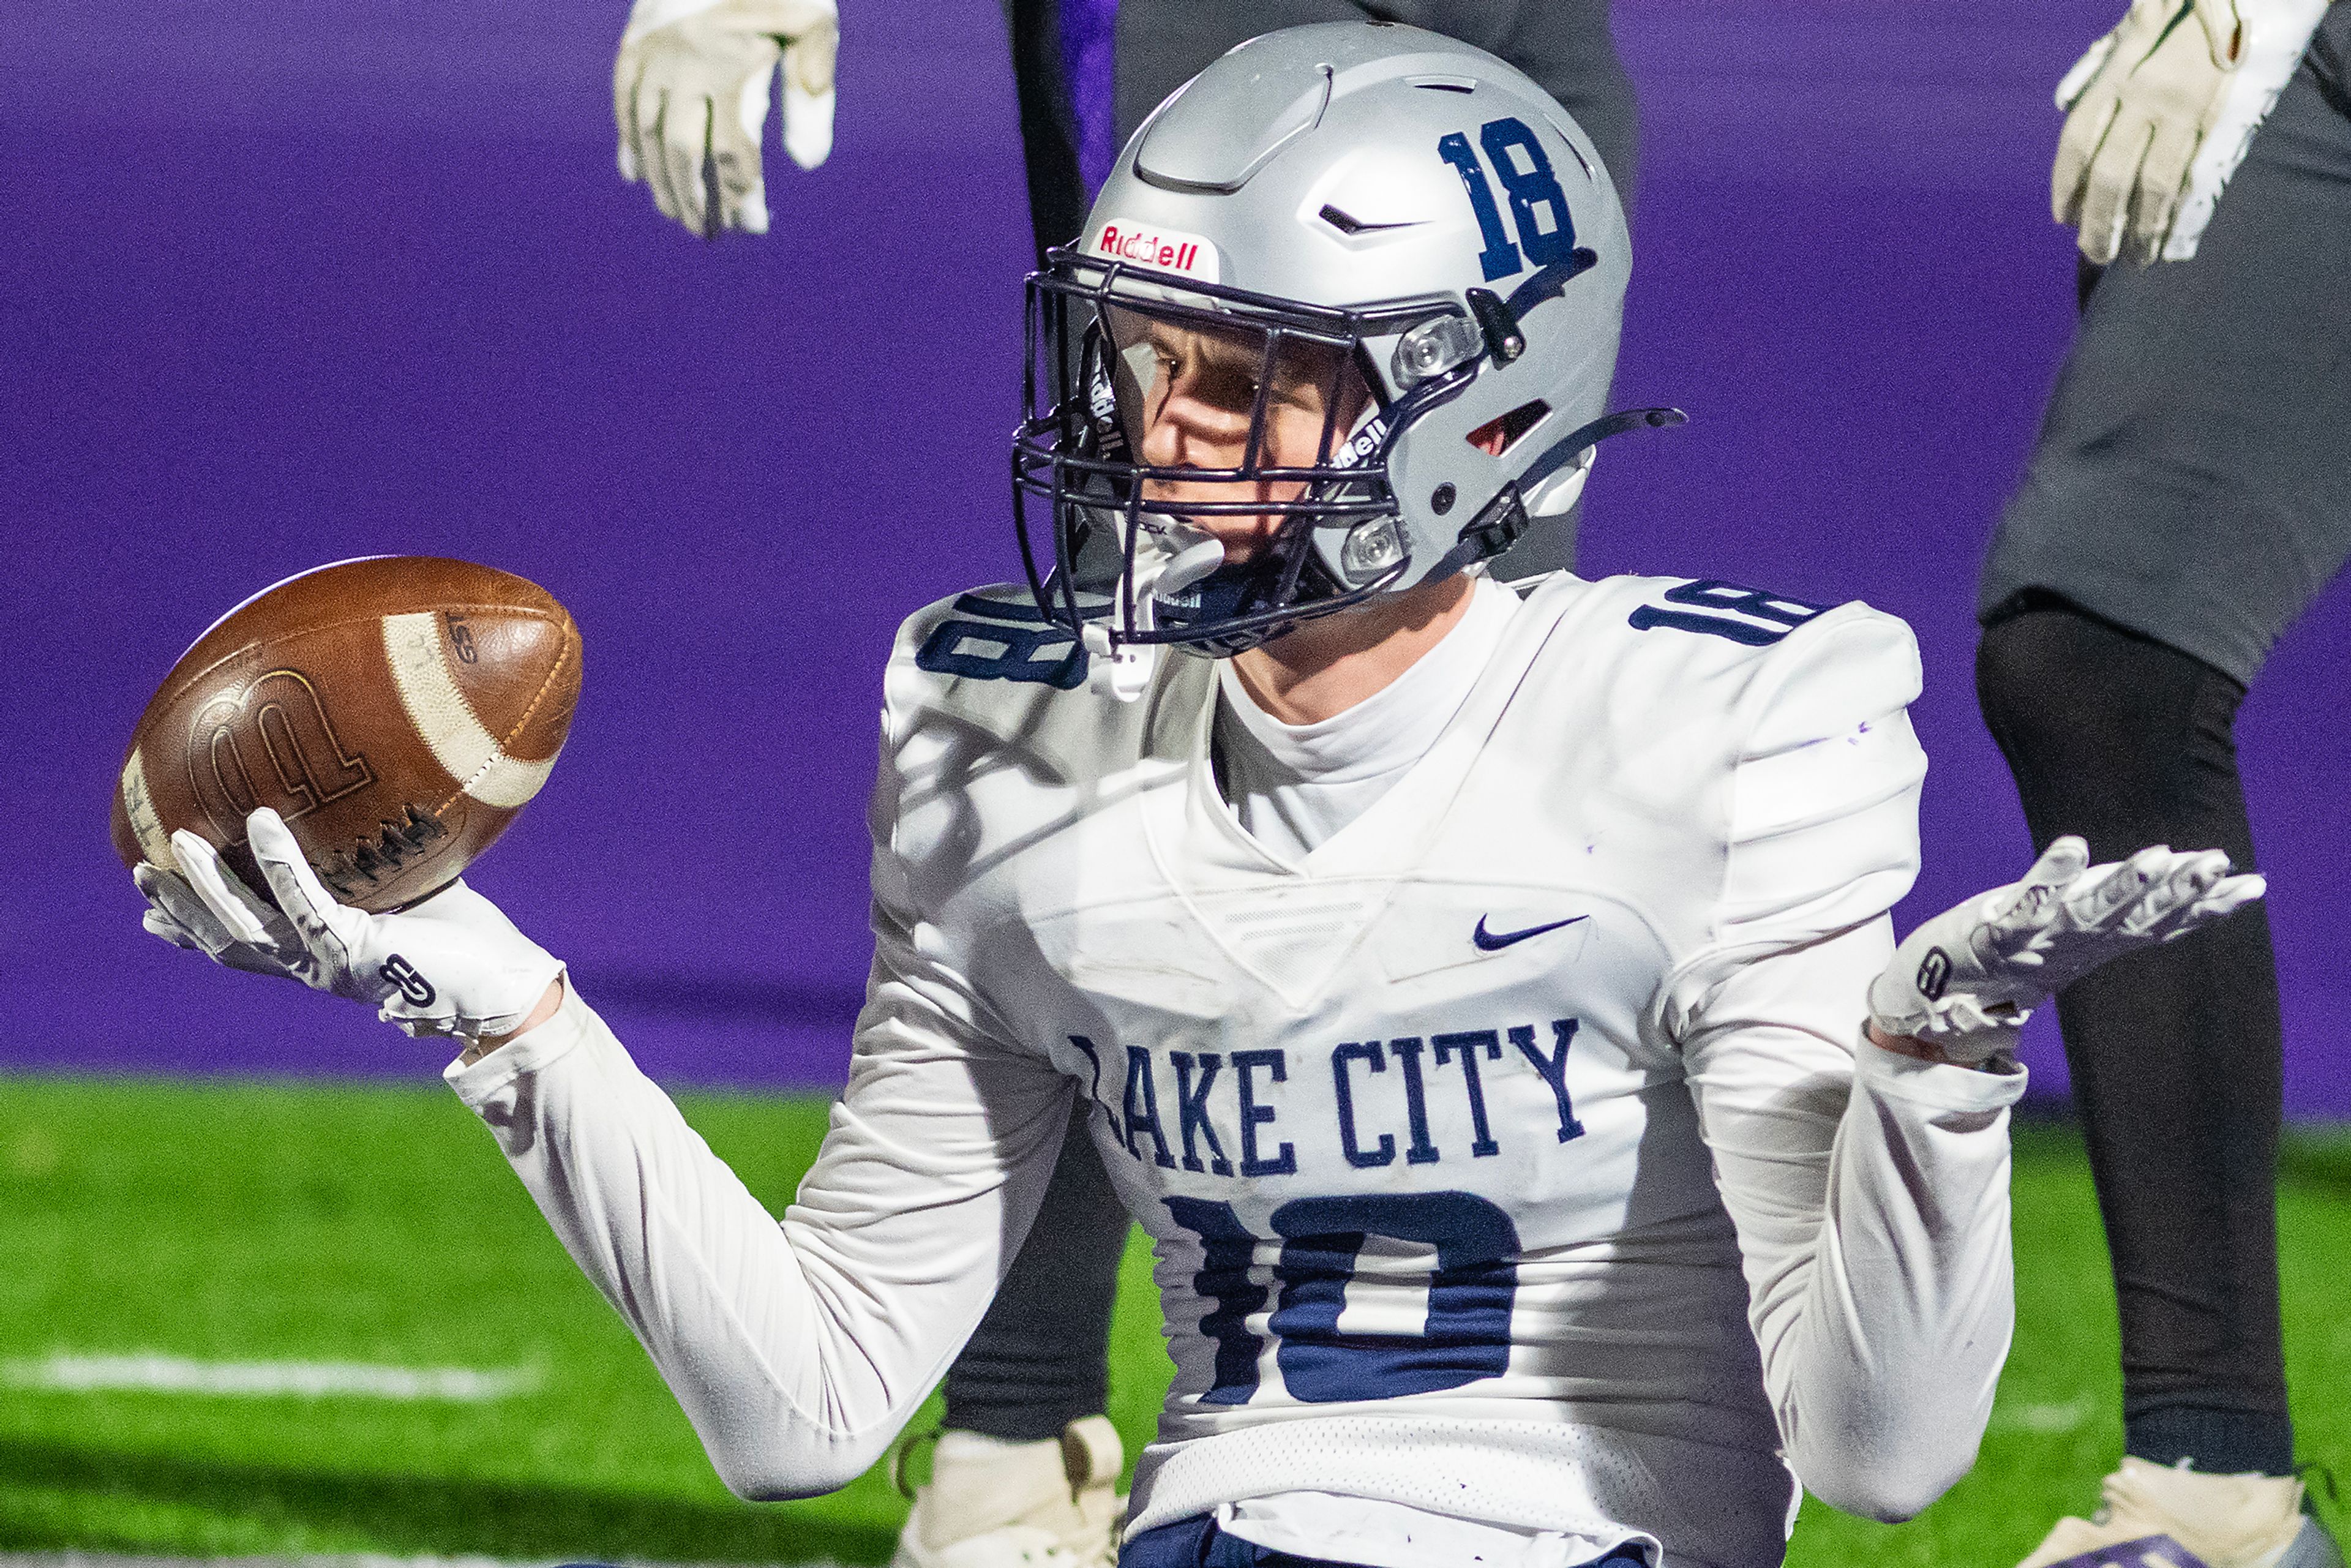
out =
column 690, row 90
column 2159, row 113
column 452, row 965
column 1967, row 980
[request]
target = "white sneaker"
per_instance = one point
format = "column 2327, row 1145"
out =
column 2155, row 1517
column 991, row 1503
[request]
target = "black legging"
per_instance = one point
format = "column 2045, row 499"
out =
column 2176, row 1051
column 1039, row 1360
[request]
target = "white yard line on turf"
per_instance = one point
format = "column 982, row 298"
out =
column 310, row 1379
column 2063, row 1417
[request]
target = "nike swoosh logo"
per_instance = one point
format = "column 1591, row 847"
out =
column 1492, row 942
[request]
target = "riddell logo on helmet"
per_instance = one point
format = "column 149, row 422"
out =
column 1164, row 250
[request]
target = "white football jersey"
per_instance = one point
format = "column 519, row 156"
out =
column 1487, row 1150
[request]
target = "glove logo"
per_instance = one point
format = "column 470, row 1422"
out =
column 1933, row 974
column 414, row 987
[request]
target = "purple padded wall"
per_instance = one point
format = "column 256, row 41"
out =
column 283, row 284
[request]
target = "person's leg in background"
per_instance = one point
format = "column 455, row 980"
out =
column 1025, row 1472
column 1035, row 1364
column 2176, row 1050
column 2189, row 496
column 1052, row 133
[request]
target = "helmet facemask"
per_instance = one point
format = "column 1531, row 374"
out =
column 1291, row 389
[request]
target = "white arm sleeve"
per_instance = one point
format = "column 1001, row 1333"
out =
column 1869, row 1190
column 798, row 1351
column 1870, row 1194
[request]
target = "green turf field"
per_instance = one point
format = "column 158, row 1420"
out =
column 376, row 1225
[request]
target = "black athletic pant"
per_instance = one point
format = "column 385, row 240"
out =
column 1048, row 123
column 2175, row 1050
column 1041, row 1358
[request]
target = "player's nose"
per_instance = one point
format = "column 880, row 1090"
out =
column 1187, row 431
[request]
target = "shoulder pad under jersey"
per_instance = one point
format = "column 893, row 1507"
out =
column 1695, row 647
column 989, row 664
column 1822, row 827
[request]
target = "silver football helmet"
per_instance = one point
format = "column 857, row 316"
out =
column 1356, row 203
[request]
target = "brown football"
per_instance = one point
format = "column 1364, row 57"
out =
column 396, row 711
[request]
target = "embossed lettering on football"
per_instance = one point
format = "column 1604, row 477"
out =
column 396, row 711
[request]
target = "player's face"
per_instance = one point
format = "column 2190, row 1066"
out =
column 1197, row 405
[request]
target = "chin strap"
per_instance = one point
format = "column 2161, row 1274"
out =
column 1122, row 670
column 1180, row 557
column 1577, row 442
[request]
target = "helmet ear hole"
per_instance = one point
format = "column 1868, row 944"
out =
column 1497, row 437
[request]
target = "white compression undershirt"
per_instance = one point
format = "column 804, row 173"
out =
column 1293, row 785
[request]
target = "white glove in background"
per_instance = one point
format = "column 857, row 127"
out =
column 2277, row 35
column 2139, row 103
column 690, row 89
column 2159, row 113
column 1968, row 979
column 452, row 965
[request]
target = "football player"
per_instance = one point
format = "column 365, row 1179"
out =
column 1025, row 1471
column 1485, row 1000
column 2189, row 496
